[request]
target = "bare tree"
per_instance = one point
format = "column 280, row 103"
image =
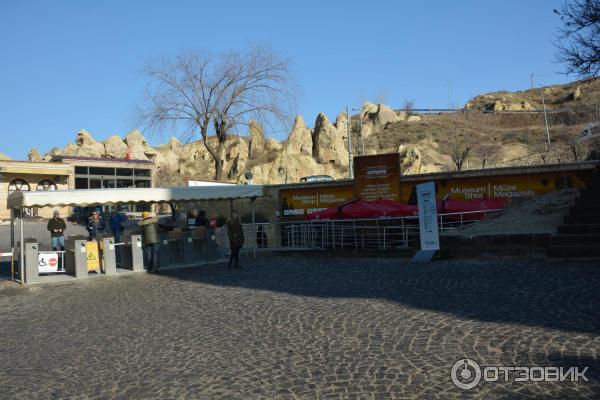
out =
column 459, row 152
column 409, row 106
column 579, row 39
column 214, row 94
column 487, row 153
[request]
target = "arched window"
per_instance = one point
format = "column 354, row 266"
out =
column 46, row 186
column 18, row 185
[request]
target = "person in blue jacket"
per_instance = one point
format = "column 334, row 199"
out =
column 95, row 225
column 116, row 224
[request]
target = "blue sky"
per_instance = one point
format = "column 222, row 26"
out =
column 71, row 65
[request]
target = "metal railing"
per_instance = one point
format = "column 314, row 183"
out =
column 554, row 155
column 375, row 233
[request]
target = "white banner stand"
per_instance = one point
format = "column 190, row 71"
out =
column 428, row 222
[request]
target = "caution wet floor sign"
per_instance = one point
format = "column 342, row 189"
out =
column 93, row 259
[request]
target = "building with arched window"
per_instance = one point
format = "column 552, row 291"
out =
column 64, row 172
column 27, row 176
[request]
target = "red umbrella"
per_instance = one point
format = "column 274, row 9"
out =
column 470, row 206
column 366, row 209
column 396, row 209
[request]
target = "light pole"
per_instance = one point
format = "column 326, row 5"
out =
column 360, row 133
column 545, row 116
column 349, row 144
column 531, row 77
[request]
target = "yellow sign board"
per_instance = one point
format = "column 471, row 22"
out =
column 510, row 187
column 93, row 256
column 303, row 201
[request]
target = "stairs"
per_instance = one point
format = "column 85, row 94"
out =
column 579, row 235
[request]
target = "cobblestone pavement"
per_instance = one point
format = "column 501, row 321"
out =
column 302, row 327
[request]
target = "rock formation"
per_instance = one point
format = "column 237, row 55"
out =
column 504, row 105
column 300, row 140
column 328, row 144
column 290, row 169
column 237, row 155
column 273, row 145
column 4, row 157
column 138, row 147
column 87, row 146
column 576, row 94
column 114, row 147
column 257, row 139
column 410, row 159
column 34, row 155
column 375, row 117
column 174, row 144
column 323, row 149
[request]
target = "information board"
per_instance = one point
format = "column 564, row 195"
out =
column 428, row 224
column 377, row 177
column 47, row 262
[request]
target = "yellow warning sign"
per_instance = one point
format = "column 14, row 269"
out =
column 93, row 259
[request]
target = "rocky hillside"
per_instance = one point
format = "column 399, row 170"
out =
column 487, row 126
column 570, row 95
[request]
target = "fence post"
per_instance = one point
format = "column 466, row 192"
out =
column 378, row 238
column 109, row 260
column 137, row 255
column 80, row 268
column 31, row 263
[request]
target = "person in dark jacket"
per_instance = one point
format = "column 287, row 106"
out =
column 116, row 224
column 235, row 232
column 95, row 225
column 149, row 228
column 57, row 226
column 201, row 218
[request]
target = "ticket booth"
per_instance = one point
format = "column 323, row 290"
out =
column 83, row 258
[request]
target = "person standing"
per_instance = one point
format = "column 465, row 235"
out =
column 149, row 228
column 235, row 232
column 116, row 224
column 57, row 226
column 95, row 225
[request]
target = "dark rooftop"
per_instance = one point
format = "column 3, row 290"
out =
column 105, row 159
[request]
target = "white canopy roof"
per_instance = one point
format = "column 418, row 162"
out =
column 93, row 197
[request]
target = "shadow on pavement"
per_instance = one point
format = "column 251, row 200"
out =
column 555, row 295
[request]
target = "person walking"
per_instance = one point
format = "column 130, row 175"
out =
column 235, row 232
column 57, row 226
column 149, row 228
column 95, row 225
